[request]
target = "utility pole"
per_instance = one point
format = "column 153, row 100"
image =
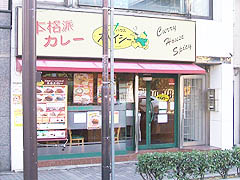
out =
column 105, row 98
column 29, row 90
column 112, row 91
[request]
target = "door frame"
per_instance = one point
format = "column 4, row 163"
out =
column 204, row 138
column 148, row 144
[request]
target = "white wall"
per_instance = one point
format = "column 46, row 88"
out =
column 16, row 84
column 227, row 106
column 214, row 38
column 236, row 31
column 221, row 120
column 215, row 116
column 236, row 107
column 236, row 58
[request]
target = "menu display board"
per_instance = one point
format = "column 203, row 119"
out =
column 83, row 88
column 51, row 111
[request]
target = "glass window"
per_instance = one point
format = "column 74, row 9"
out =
column 169, row 6
column 202, row 8
column 4, row 4
column 51, row 1
column 85, row 88
column 69, row 112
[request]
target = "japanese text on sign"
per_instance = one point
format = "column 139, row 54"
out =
column 56, row 31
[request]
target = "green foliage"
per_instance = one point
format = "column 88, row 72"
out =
column 236, row 157
column 187, row 165
column 201, row 163
column 153, row 165
column 221, row 161
column 182, row 165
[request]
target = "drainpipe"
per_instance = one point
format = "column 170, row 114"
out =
column 236, row 73
column 233, row 111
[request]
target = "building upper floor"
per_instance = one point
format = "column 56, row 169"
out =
column 214, row 19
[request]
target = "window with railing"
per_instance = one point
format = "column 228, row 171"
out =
column 51, row 1
column 4, row 4
column 197, row 8
column 169, row 6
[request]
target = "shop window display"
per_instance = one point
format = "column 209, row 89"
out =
column 69, row 122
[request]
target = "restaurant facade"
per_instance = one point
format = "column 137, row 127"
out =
column 170, row 83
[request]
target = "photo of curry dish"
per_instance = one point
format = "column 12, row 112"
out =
column 59, row 91
column 78, row 90
column 59, row 98
column 95, row 121
column 48, row 90
column 38, row 90
column 48, row 98
column 39, row 109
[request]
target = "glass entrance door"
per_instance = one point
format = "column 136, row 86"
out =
column 193, row 110
column 158, row 109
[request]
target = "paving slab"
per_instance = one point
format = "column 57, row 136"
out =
column 123, row 171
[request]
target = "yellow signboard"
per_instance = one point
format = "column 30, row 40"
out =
column 162, row 97
column 123, row 38
column 69, row 34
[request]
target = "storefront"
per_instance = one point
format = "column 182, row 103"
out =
column 158, row 88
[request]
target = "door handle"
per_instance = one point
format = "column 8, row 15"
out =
column 151, row 112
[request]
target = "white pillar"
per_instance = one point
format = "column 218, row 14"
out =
column 221, row 120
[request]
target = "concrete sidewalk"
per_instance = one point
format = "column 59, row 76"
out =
column 123, row 171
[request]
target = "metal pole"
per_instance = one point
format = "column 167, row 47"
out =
column 29, row 92
column 137, row 120
column 112, row 92
column 105, row 98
